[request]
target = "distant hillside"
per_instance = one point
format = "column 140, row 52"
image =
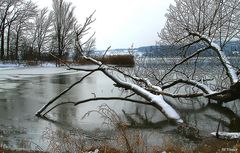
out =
column 231, row 49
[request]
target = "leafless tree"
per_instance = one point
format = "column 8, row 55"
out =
column 11, row 18
column 7, row 8
column 189, row 23
column 42, row 30
column 87, row 43
column 210, row 25
column 14, row 16
column 63, row 21
column 23, row 24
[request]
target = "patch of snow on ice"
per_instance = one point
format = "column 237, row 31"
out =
column 48, row 65
column 227, row 135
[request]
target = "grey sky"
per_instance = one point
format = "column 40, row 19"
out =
column 121, row 23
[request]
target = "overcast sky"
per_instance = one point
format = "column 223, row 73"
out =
column 121, row 23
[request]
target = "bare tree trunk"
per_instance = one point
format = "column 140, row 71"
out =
column 2, row 42
column 17, row 43
column 8, row 41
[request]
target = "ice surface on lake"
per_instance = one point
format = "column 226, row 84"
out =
column 7, row 86
column 15, row 72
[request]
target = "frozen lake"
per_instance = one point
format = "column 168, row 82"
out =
column 24, row 90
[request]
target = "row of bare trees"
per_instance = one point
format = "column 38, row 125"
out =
column 26, row 31
column 15, row 20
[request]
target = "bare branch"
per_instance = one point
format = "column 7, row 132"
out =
column 38, row 113
column 112, row 98
column 184, row 60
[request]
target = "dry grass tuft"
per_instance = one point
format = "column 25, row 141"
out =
column 127, row 140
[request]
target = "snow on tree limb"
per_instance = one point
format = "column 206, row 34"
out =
column 196, row 23
column 158, row 100
column 231, row 72
column 155, row 100
column 194, row 83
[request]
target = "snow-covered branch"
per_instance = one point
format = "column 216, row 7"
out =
column 154, row 100
column 157, row 100
column 194, row 83
column 230, row 71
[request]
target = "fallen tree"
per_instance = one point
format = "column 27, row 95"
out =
column 209, row 25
